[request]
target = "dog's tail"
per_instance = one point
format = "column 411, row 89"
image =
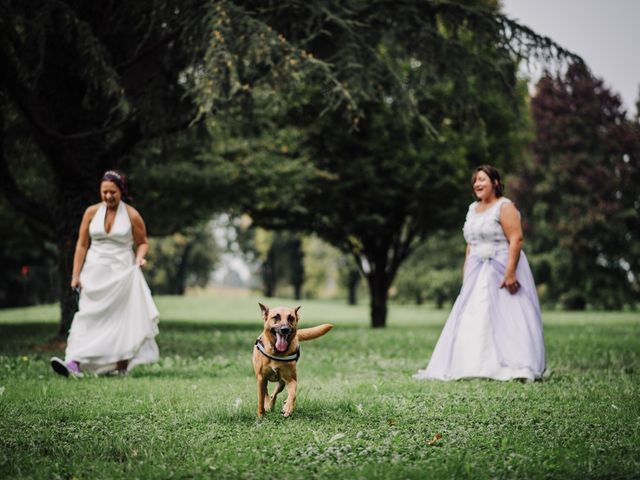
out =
column 313, row 332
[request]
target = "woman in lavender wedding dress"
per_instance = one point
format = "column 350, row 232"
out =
column 494, row 329
column 117, row 320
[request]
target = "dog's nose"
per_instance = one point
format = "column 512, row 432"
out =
column 285, row 330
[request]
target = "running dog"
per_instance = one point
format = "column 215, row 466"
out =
column 276, row 353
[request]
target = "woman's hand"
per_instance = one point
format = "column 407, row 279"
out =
column 510, row 282
column 75, row 282
column 141, row 262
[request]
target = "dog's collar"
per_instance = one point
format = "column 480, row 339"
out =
column 289, row 358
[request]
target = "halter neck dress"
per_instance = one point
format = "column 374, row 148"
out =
column 490, row 333
column 117, row 318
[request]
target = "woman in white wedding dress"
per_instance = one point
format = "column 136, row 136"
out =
column 117, row 320
column 494, row 329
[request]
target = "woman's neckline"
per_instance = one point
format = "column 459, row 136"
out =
column 104, row 219
column 478, row 203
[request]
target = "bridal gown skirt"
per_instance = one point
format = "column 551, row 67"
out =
column 490, row 333
column 117, row 318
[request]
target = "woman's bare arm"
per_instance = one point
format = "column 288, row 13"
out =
column 82, row 245
column 139, row 235
column 510, row 221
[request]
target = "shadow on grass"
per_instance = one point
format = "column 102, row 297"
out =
column 25, row 338
column 34, row 337
column 192, row 349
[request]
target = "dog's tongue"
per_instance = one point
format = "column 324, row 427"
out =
column 281, row 343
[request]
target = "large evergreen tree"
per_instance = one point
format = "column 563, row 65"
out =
column 430, row 92
column 85, row 84
column 90, row 86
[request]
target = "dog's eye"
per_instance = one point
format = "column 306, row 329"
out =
column 276, row 317
column 290, row 318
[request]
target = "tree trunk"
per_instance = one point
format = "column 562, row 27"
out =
column 73, row 198
column 78, row 188
column 269, row 274
column 179, row 284
column 352, row 286
column 68, row 298
column 353, row 295
column 378, row 290
column 419, row 298
column 296, row 266
column 297, row 291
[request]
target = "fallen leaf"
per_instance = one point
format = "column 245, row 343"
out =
column 435, row 438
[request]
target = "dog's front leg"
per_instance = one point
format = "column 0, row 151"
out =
column 272, row 400
column 290, row 404
column 262, row 393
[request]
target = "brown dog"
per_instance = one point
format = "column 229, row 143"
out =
column 276, row 354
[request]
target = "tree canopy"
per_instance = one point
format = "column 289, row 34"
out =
column 84, row 85
column 430, row 92
column 357, row 96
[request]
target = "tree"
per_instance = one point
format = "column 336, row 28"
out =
column 431, row 94
column 281, row 259
column 350, row 277
column 182, row 260
column 82, row 83
column 434, row 270
column 90, row 86
column 580, row 195
column 27, row 264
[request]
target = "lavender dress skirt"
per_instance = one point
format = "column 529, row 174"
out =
column 490, row 333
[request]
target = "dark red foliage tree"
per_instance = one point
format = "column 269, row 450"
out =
column 580, row 196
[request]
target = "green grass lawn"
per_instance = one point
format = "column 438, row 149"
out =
column 359, row 414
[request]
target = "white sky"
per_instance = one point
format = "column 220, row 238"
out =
column 605, row 33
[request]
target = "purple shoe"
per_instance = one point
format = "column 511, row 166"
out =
column 70, row 368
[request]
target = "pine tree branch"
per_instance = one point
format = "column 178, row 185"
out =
column 9, row 187
column 19, row 81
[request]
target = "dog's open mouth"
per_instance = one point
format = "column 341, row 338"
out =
column 282, row 341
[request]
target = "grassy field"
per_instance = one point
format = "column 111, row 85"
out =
column 359, row 414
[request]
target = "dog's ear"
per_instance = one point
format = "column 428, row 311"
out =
column 265, row 311
column 296, row 309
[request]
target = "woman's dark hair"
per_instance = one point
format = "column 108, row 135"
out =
column 121, row 182
column 494, row 176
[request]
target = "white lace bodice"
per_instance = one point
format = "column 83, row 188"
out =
column 483, row 231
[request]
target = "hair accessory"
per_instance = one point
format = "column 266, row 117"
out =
column 112, row 173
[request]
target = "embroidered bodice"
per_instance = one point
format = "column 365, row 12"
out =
column 483, row 231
